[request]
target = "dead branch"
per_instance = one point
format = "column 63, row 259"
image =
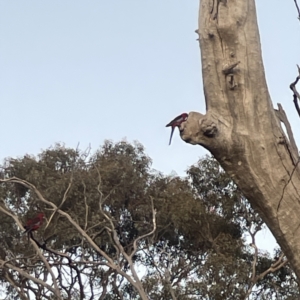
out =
column 291, row 144
column 296, row 95
column 298, row 10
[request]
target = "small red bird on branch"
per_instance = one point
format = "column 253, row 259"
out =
column 34, row 223
column 176, row 123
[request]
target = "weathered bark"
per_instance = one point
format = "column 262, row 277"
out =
column 241, row 128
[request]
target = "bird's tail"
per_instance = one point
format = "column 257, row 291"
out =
column 171, row 135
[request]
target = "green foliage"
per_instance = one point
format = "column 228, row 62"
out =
column 198, row 250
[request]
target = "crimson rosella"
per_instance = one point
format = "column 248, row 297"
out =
column 34, row 223
column 176, row 123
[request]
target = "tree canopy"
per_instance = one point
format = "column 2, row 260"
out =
column 117, row 229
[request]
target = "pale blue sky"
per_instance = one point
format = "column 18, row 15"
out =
column 85, row 71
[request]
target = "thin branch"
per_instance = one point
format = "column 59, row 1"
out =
column 291, row 144
column 147, row 234
column 16, row 287
column 297, row 9
column 116, row 288
column 66, row 192
column 169, row 283
column 255, row 258
column 42, row 257
column 104, row 283
column 296, row 95
column 16, row 219
column 253, row 276
column 62, row 202
column 86, row 206
column 274, row 267
column 25, row 274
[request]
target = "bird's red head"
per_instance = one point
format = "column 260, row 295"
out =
column 41, row 215
column 178, row 120
column 184, row 116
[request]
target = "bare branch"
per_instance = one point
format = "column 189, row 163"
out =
column 116, row 287
column 147, row 234
column 274, row 267
column 298, row 10
column 104, row 284
column 253, row 276
column 86, row 206
column 16, row 287
column 168, row 278
column 71, row 263
column 57, row 292
column 26, row 275
column 16, row 219
column 296, row 96
column 62, row 202
column 291, row 144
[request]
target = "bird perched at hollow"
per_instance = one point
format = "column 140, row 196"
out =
column 176, row 123
column 34, row 223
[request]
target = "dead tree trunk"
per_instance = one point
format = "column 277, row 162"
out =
column 241, row 128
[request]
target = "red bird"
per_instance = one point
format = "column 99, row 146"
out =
column 34, row 223
column 176, row 123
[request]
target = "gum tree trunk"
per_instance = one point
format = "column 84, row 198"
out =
column 241, row 128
